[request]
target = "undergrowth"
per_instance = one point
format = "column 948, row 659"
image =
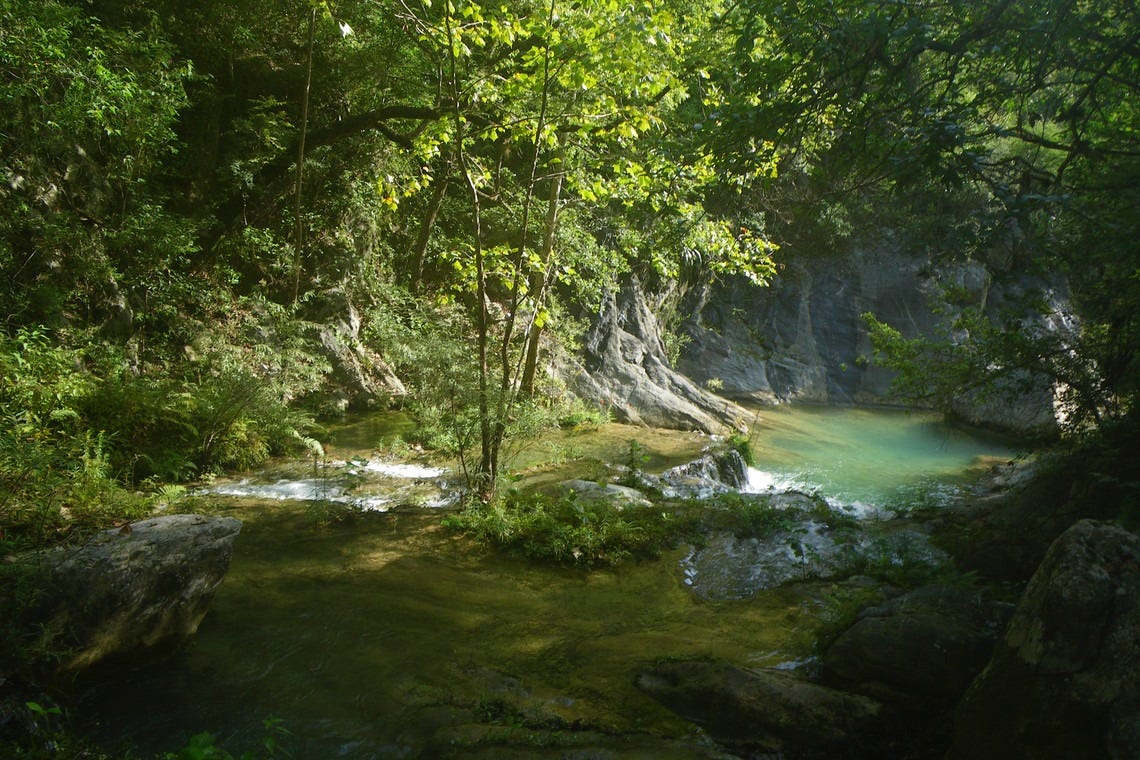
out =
column 594, row 532
column 570, row 529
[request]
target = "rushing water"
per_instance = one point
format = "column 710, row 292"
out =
column 385, row 636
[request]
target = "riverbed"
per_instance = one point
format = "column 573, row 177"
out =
column 382, row 635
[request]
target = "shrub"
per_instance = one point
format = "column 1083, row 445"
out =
column 568, row 529
column 741, row 443
column 56, row 478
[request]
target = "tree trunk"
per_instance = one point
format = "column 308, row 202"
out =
column 541, row 280
column 299, row 228
column 419, row 252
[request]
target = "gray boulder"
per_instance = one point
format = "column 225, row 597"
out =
column 1064, row 681
column 760, row 709
column 136, row 590
column 611, row 493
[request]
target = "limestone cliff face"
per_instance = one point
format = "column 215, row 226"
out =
column 624, row 369
column 803, row 337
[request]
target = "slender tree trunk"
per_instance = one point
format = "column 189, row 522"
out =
column 541, row 280
column 487, row 473
column 510, row 371
column 298, row 225
column 419, row 252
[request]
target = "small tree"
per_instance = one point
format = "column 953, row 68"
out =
column 555, row 106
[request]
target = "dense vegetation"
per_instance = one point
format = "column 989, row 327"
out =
column 191, row 190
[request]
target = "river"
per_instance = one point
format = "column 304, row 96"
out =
column 383, row 635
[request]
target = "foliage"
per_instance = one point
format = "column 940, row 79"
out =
column 747, row 516
column 204, row 746
column 568, row 529
column 741, row 443
column 588, row 532
column 55, row 477
column 1020, row 114
column 88, row 121
column 539, row 105
column 40, row 730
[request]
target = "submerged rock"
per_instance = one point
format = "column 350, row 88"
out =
column 1064, row 681
column 760, row 709
column 136, row 590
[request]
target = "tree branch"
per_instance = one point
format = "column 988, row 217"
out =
column 268, row 178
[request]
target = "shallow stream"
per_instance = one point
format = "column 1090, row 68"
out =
column 385, row 636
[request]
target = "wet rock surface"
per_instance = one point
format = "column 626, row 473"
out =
column 711, row 474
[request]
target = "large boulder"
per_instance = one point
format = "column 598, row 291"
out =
column 615, row 495
column 761, row 710
column 142, row 589
column 1064, row 681
column 928, row 643
column 626, row 370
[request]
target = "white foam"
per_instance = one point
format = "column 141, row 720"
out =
column 282, row 490
column 762, row 481
column 403, row 469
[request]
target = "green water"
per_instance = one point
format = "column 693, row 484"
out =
column 382, row 638
column 385, row 636
column 870, row 456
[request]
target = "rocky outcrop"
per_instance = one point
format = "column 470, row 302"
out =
column 761, row 710
column 1064, row 681
column 626, row 370
column 360, row 378
column 803, row 337
column 708, row 475
column 928, row 643
column 136, row 590
column 800, row 545
column 1004, row 534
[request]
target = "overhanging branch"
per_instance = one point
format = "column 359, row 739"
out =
column 269, row 178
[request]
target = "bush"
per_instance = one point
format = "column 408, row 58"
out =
column 569, row 530
column 741, row 443
column 56, row 479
